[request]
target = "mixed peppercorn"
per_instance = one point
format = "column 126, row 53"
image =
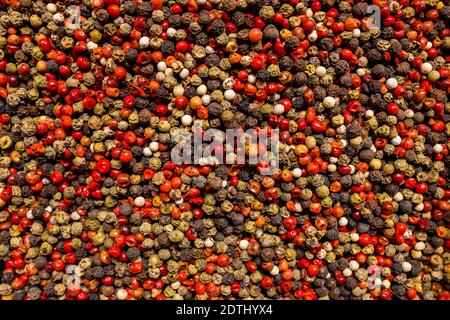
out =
column 92, row 206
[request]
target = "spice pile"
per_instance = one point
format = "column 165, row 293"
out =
column 92, row 207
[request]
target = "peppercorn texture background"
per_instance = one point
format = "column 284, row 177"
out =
column 93, row 208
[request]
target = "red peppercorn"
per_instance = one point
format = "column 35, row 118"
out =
column 83, row 63
column 267, row 282
column 400, row 228
column 438, row 126
column 365, row 239
column 136, row 267
column 103, row 166
column 182, row 46
column 114, row 10
column 410, row 183
column 181, row 102
column 392, row 108
column 257, row 63
column 313, row 270
column 45, row 44
column 255, row 34
column 290, row 223
column 223, row 260
column 421, row 187
column 125, row 156
column 308, row 25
